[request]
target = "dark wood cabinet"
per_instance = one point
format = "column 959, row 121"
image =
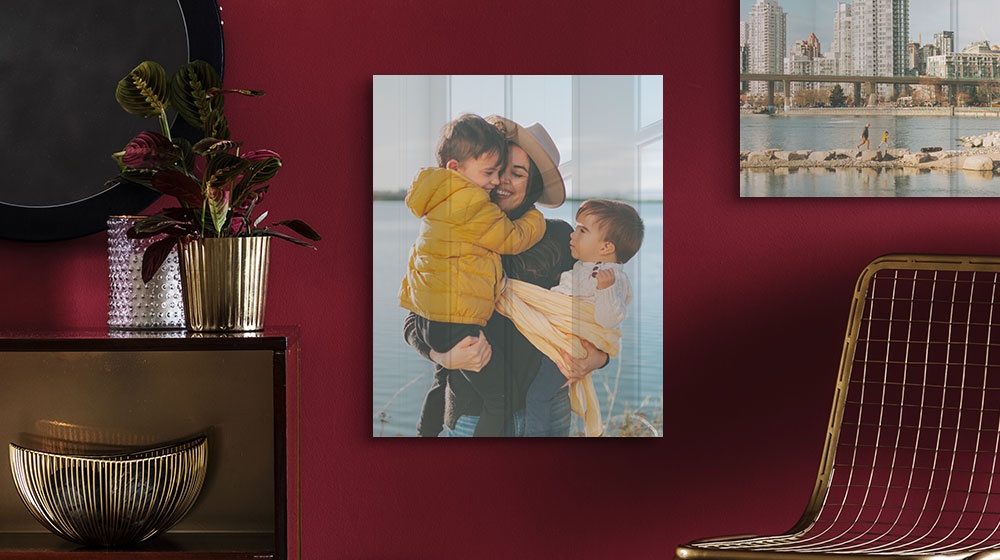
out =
column 239, row 389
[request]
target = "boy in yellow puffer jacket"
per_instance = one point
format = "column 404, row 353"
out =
column 454, row 271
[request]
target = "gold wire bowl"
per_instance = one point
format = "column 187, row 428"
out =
column 111, row 500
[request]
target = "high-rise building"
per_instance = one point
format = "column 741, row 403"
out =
column 800, row 48
column 806, row 58
column 880, row 31
column 945, row 41
column 900, row 36
column 744, row 52
column 928, row 50
column 915, row 62
column 767, row 41
column 800, row 61
column 840, row 49
column 813, row 48
column 977, row 61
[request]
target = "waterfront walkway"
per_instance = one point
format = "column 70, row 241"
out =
column 971, row 112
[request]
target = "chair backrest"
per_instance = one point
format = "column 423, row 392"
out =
column 911, row 458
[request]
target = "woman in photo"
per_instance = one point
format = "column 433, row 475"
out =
column 531, row 176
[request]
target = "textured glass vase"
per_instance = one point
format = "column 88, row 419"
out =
column 132, row 304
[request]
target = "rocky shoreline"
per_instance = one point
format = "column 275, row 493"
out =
column 978, row 153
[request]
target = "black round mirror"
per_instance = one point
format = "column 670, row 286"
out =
column 60, row 62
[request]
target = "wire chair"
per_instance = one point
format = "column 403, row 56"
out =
column 910, row 465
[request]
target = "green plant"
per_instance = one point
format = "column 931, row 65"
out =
column 218, row 187
column 837, row 97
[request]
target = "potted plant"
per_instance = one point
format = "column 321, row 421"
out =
column 217, row 226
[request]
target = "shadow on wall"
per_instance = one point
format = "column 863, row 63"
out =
column 54, row 285
column 749, row 384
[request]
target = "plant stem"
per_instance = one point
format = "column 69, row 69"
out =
column 613, row 393
column 164, row 125
column 405, row 386
column 204, row 211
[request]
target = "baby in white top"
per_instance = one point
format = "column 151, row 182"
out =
column 608, row 233
column 603, row 284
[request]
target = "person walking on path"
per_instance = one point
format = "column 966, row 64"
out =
column 885, row 141
column 864, row 138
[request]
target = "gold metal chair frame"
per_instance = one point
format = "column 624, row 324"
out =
column 911, row 462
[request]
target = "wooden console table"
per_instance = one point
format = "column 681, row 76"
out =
column 239, row 389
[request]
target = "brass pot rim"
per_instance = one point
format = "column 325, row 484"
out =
column 229, row 238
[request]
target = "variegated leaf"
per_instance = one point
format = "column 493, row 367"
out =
column 144, row 91
column 223, row 168
column 189, row 92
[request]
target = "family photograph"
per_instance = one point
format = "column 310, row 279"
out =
column 517, row 256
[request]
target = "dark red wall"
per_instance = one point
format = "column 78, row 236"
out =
column 757, row 291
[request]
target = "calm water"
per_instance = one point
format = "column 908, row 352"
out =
column 827, row 132
column 401, row 376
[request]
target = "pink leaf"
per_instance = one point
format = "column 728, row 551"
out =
column 178, row 185
column 149, row 150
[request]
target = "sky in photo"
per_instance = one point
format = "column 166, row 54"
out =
column 608, row 129
column 971, row 20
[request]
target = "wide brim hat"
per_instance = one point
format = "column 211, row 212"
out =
column 535, row 140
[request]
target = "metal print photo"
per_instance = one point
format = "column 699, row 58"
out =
column 869, row 98
column 517, row 256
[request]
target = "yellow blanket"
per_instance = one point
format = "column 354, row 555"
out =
column 552, row 321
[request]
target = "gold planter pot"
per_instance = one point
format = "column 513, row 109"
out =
column 225, row 283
